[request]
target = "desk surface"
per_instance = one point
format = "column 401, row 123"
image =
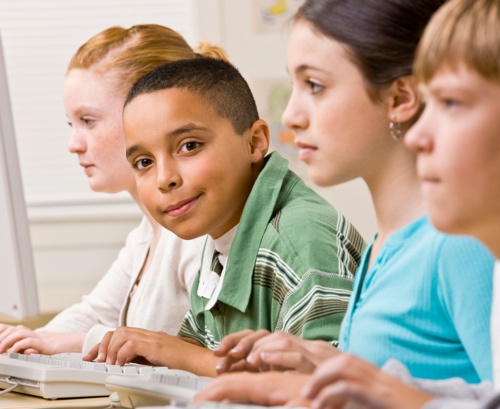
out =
column 19, row 401
column 35, row 322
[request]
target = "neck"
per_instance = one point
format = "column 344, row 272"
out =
column 396, row 194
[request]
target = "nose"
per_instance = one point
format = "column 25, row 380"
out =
column 295, row 116
column 420, row 136
column 168, row 176
column 77, row 143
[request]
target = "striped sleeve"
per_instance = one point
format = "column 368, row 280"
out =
column 191, row 329
column 312, row 306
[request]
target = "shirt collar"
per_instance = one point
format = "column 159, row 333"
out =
column 210, row 284
column 267, row 197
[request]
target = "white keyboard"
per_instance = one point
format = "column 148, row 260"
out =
column 62, row 375
column 157, row 388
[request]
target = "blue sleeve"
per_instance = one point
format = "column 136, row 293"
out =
column 465, row 271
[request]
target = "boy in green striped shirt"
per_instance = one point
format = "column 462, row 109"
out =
column 277, row 256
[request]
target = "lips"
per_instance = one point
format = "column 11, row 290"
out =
column 425, row 175
column 428, row 184
column 305, row 151
column 86, row 167
column 181, row 208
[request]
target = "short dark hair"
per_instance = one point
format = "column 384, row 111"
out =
column 380, row 37
column 215, row 80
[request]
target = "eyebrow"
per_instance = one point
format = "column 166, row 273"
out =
column 187, row 128
column 86, row 108
column 304, row 67
column 440, row 89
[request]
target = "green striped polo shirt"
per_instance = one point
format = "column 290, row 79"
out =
column 290, row 266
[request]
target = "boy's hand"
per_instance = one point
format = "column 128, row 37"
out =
column 24, row 340
column 269, row 389
column 127, row 344
column 346, row 378
column 249, row 350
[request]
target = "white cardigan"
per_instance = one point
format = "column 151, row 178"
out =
column 158, row 303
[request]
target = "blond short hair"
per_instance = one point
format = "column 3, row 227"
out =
column 130, row 53
column 461, row 31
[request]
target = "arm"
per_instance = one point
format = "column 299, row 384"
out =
column 465, row 272
column 127, row 344
column 89, row 320
column 325, row 260
column 99, row 311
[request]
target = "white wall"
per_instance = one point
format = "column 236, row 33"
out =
column 76, row 233
column 73, row 248
column 74, row 245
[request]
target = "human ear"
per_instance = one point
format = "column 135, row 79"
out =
column 403, row 100
column 258, row 141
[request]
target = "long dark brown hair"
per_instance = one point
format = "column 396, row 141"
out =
column 380, row 36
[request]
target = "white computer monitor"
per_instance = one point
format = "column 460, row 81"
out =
column 18, row 290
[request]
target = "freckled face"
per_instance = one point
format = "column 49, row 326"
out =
column 342, row 134
column 193, row 172
column 94, row 110
column 457, row 140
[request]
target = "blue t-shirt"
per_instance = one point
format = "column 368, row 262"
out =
column 426, row 302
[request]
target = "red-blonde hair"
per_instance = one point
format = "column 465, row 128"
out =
column 130, row 53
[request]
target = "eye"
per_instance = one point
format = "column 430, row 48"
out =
column 87, row 121
column 190, row 146
column 449, row 103
column 69, row 124
column 314, row 86
column 142, row 163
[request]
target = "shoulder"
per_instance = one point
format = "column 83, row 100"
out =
column 311, row 231
column 461, row 250
column 302, row 206
column 456, row 256
column 307, row 217
column 435, row 245
column 140, row 234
